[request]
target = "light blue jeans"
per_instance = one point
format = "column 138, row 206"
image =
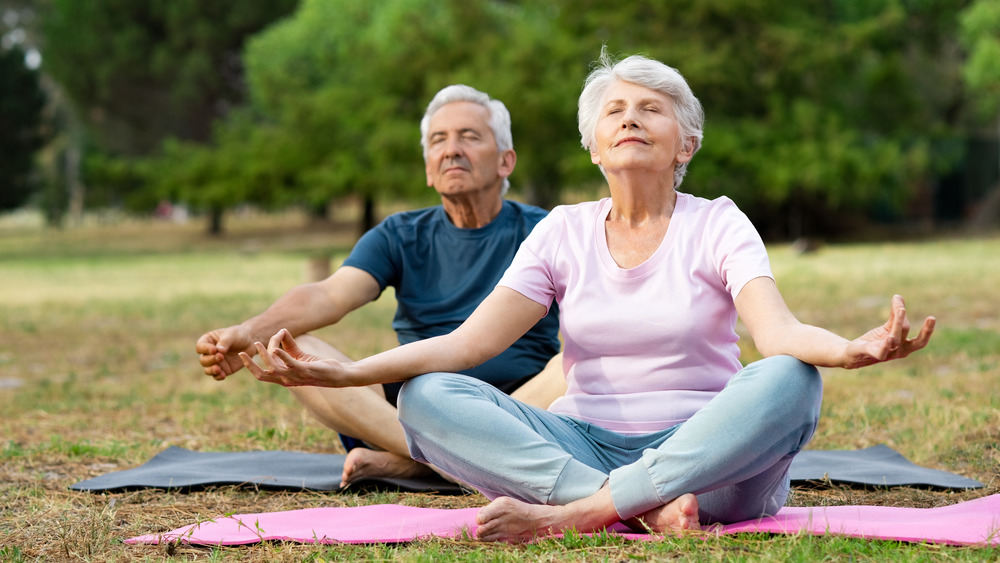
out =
column 733, row 454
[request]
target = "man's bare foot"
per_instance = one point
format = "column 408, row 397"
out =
column 363, row 463
column 675, row 517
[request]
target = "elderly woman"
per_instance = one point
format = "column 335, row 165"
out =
column 661, row 425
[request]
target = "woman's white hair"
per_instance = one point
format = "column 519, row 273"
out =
column 651, row 74
column 499, row 117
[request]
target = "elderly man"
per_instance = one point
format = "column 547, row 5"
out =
column 442, row 261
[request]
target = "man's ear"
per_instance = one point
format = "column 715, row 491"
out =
column 508, row 160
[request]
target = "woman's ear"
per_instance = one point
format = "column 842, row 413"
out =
column 687, row 150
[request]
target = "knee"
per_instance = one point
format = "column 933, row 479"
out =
column 320, row 347
column 794, row 378
column 794, row 387
column 423, row 396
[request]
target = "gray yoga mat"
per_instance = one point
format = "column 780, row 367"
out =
column 180, row 469
column 879, row 466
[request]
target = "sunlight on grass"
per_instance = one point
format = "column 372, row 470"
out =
column 149, row 279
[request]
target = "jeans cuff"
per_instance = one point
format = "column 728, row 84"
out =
column 575, row 481
column 632, row 490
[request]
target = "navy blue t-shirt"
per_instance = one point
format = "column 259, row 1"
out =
column 441, row 273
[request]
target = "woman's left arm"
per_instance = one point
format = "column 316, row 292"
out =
column 776, row 331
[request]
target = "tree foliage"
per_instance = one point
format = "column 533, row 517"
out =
column 140, row 72
column 337, row 92
column 812, row 106
column 21, row 134
column 815, row 108
column 980, row 32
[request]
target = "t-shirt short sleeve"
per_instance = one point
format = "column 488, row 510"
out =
column 374, row 254
column 738, row 252
column 530, row 273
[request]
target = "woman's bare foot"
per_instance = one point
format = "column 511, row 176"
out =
column 510, row 520
column 675, row 517
column 363, row 463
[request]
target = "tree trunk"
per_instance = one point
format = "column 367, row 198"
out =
column 368, row 218
column 215, row 221
column 74, row 187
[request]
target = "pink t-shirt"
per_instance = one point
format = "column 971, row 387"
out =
column 646, row 347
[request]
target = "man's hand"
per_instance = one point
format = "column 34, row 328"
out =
column 219, row 350
column 286, row 364
column 889, row 341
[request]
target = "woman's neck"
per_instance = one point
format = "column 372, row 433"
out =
column 639, row 200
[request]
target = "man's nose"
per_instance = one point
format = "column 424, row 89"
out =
column 452, row 147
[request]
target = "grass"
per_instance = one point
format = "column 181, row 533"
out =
column 98, row 373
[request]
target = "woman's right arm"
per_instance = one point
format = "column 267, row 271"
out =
column 503, row 317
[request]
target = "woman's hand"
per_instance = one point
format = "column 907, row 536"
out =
column 889, row 341
column 286, row 364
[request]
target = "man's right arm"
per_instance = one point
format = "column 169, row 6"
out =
column 303, row 308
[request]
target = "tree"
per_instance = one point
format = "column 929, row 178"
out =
column 980, row 33
column 141, row 72
column 21, row 104
column 337, row 92
column 813, row 108
column 816, row 109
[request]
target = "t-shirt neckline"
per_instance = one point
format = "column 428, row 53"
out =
column 478, row 231
column 658, row 256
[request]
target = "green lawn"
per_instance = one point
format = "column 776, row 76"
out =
column 98, row 372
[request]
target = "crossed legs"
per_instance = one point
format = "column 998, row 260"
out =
column 364, row 413
column 548, row 473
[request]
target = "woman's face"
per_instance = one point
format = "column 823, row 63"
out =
column 637, row 130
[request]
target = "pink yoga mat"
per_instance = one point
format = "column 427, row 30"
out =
column 976, row 522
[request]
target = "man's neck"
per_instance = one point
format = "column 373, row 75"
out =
column 472, row 213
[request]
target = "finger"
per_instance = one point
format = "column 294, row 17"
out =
column 905, row 319
column 204, row 345
column 217, row 373
column 898, row 314
column 252, row 366
column 284, row 357
column 265, row 356
column 289, row 343
column 924, row 336
column 223, row 343
column 273, row 363
column 275, row 341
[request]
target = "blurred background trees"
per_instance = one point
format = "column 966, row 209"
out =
column 824, row 116
column 21, row 105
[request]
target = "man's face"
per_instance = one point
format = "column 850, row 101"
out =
column 462, row 155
